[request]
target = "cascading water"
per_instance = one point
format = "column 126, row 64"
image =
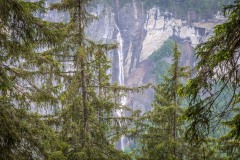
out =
column 121, row 80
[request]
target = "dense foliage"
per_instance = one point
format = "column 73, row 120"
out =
column 214, row 91
column 57, row 102
column 203, row 9
column 22, row 67
column 89, row 125
column 164, row 137
column 185, row 9
column 54, row 67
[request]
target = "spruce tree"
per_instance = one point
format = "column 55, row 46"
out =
column 89, row 101
column 26, row 83
column 213, row 91
column 163, row 138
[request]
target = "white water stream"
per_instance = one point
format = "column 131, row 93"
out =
column 120, row 112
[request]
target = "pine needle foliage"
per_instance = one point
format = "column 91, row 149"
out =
column 26, row 82
column 214, row 91
column 89, row 122
column 164, row 135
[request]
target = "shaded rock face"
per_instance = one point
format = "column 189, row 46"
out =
column 128, row 21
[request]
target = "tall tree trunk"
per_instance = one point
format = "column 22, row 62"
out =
column 84, row 100
column 82, row 70
column 175, row 79
column 174, row 126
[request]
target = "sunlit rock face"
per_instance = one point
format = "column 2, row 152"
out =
column 161, row 25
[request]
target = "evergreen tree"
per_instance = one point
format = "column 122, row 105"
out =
column 214, row 91
column 163, row 138
column 217, row 79
column 89, row 101
column 26, row 82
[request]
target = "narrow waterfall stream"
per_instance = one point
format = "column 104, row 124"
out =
column 120, row 112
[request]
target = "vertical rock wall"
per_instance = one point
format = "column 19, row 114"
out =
column 141, row 32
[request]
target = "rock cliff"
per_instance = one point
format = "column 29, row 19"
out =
column 141, row 33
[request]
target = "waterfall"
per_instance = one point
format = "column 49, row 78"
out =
column 121, row 80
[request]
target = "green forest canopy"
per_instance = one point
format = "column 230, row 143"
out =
column 181, row 8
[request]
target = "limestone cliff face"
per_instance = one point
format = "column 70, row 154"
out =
column 144, row 31
column 141, row 33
